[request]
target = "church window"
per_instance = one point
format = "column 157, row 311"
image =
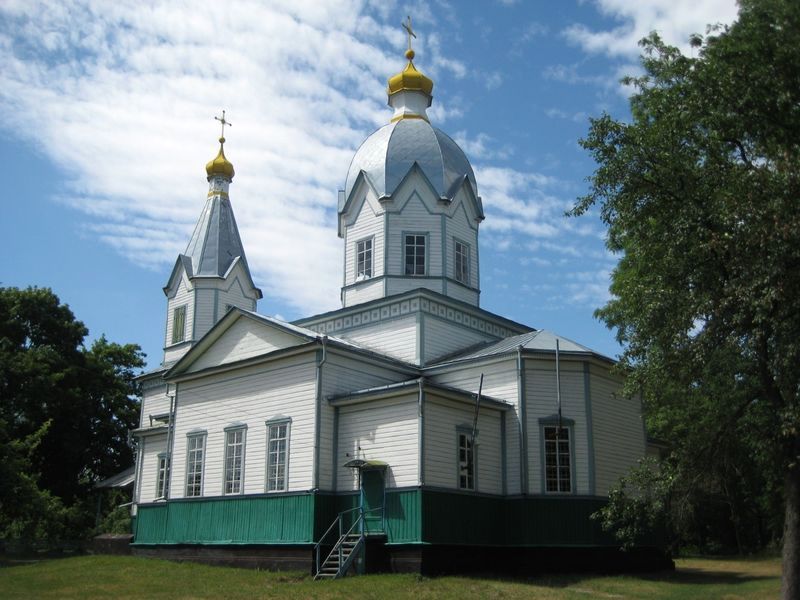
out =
column 195, row 453
column 277, row 455
column 557, row 459
column 162, row 479
column 466, row 461
column 234, row 459
column 461, row 262
column 178, row 324
column 415, row 254
column 363, row 259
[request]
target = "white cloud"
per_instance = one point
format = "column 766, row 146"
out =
column 121, row 97
column 674, row 20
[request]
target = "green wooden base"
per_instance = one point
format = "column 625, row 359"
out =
column 412, row 516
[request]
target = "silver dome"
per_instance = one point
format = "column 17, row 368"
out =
column 387, row 155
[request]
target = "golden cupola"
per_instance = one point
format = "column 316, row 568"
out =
column 410, row 90
column 220, row 165
column 410, row 79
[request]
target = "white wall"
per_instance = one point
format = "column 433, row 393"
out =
column 150, row 447
column 618, row 430
column 396, row 338
column 386, row 430
column 341, row 374
column 442, row 420
column 184, row 295
column 442, row 338
column 500, row 382
column 541, row 401
column 246, row 338
column 414, row 217
column 251, row 395
column 365, row 220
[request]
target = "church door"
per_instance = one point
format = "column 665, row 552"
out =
column 372, row 499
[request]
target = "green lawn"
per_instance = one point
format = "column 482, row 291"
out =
column 127, row 577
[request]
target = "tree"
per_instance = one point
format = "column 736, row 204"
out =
column 65, row 410
column 700, row 194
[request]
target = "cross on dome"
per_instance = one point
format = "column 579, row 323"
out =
column 223, row 122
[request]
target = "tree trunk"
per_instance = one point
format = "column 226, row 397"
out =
column 790, row 588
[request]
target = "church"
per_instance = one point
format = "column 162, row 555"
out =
column 409, row 430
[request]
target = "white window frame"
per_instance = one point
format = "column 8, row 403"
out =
column 464, row 447
column 462, row 270
column 195, row 463
column 233, row 473
column 365, row 266
column 277, row 473
column 162, row 475
column 558, row 476
column 416, row 246
column 179, row 325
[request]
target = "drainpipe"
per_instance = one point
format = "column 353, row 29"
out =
column 421, row 430
column 173, row 407
column 523, row 425
column 321, row 361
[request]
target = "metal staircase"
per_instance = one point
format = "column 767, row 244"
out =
column 341, row 557
column 346, row 547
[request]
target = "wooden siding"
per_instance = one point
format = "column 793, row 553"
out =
column 540, row 397
column 458, row 292
column 184, row 295
column 369, row 290
column 499, row 381
column 151, row 447
column 460, row 227
column 276, row 519
column 365, row 221
column 443, row 418
column 442, row 338
column 399, row 285
column 386, row 430
column 414, row 217
column 396, row 338
column 244, row 339
column 618, row 433
column 253, row 395
column 154, row 402
column 342, row 374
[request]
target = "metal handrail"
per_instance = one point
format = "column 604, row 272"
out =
column 338, row 521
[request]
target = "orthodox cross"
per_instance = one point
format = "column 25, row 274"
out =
column 223, row 122
column 409, row 31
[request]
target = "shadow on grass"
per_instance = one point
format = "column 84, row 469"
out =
column 681, row 576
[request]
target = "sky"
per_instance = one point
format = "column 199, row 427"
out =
column 108, row 124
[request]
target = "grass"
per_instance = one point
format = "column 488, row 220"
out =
column 128, row 577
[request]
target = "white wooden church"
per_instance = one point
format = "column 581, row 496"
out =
column 356, row 438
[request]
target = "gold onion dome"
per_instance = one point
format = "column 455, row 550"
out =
column 410, row 79
column 220, row 165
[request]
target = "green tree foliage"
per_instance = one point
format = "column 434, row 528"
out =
column 700, row 195
column 65, row 411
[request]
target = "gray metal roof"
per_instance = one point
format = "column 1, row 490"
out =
column 120, row 480
column 215, row 243
column 387, row 155
column 535, row 341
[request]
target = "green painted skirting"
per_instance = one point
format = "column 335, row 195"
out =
column 285, row 519
column 412, row 516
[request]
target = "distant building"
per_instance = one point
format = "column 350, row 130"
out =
column 256, row 434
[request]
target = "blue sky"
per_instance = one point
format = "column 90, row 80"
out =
column 108, row 123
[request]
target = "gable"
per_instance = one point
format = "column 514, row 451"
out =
column 245, row 338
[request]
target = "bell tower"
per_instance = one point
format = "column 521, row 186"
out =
column 212, row 275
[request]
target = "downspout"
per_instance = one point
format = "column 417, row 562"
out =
column 321, row 361
column 421, row 430
column 523, row 425
column 173, row 408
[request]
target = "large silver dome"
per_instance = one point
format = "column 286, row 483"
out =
column 388, row 154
